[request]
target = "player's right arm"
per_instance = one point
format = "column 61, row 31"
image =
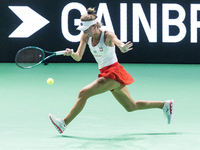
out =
column 77, row 56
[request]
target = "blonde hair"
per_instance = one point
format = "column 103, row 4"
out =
column 91, row 15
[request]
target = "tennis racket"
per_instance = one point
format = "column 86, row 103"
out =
column 31, row 56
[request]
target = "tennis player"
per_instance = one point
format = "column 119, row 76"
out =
column 113, row 77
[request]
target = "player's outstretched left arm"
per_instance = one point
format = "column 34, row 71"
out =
column 124, row 47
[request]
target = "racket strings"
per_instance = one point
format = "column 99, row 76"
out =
column 29, row 57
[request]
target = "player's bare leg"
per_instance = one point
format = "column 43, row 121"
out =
column 99, row 86
column 123, row 96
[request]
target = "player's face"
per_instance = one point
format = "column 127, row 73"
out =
column 90, row 31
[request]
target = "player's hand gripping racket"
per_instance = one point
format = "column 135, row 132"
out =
column 31, row 56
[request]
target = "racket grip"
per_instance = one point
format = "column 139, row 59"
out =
column 60, row 52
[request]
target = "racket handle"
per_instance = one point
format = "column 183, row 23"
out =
column 60, row 52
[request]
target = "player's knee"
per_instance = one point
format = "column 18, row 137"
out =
column 83, row 94
column 128, row 109
column 131, row 108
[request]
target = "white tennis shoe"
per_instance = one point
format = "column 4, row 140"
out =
column 59, row 124
column 168, row 110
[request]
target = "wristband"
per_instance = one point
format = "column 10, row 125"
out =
column 72, row 51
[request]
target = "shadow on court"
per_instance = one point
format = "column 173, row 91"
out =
column 124, row 137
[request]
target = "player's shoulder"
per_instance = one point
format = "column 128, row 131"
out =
column 109, row 34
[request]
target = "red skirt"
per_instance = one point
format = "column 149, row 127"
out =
column 116, row 72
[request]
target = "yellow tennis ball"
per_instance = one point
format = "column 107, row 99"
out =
column 50, row 81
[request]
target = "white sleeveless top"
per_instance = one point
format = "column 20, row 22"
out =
column 104, row 55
